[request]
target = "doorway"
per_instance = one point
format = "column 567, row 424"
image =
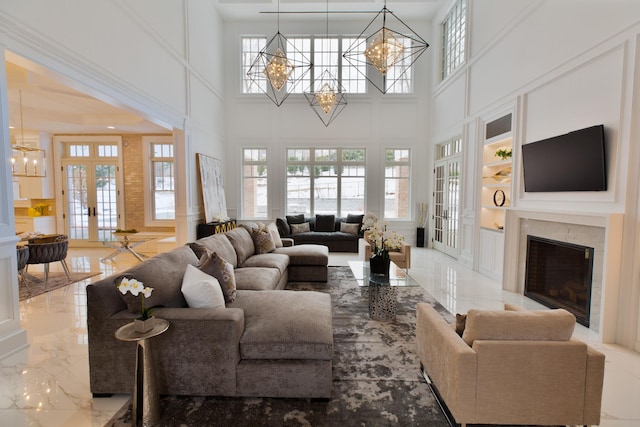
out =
column 446, row 197
column 92, row 188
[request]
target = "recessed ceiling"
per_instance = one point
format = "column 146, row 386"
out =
column 39, row 103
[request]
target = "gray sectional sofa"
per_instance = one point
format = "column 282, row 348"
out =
column 327, row 230
column 269, row 342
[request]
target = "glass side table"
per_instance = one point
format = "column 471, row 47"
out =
column 146, row 399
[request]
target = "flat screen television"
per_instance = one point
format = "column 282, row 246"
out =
column 571, row 162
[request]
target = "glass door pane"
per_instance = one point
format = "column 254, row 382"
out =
column 106, row 207
column 77, row 209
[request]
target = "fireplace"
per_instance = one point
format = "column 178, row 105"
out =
column 559, row 274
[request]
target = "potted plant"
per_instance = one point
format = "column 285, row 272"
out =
column 145, row 322
column 375, row 232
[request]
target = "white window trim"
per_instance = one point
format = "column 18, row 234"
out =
column 148, row 185
column 409, row 180
column 242, row 177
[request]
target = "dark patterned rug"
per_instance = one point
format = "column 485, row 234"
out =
column 376, row 375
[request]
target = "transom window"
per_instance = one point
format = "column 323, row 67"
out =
column 453, row 38
column 255, row 194
column 325, row 181
column 397, row 180
column 327, row 54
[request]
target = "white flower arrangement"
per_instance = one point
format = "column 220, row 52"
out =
column 381, row 239
column 136, row 288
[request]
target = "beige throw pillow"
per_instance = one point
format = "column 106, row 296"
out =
column 273, row 229
column 349, row 228
column 222, row 270
column 300, row 228
column 200, row 289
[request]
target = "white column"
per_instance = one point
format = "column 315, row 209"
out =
column 12, row 336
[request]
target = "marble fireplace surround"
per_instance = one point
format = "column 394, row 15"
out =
column 600, row 231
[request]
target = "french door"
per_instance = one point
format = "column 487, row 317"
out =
column 446, row 205
column 91, row 184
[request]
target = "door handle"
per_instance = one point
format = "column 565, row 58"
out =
column 94, row 211
column 88, row 211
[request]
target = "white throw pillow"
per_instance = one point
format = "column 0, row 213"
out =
column 273, row 229
column 200, row 289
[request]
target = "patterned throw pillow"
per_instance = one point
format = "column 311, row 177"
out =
column 222, row 270
column 300, row 228
column 263, row 240
column 349, row 228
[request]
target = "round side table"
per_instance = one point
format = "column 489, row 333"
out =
column 146, row 400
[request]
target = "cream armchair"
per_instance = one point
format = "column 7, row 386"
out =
column 511, row 367
column 401, row 258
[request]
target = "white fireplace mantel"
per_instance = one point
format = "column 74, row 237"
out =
column 513, row 278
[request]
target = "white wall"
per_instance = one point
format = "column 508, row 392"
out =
column 561, row 66
column 373, row 121
column 159, row 62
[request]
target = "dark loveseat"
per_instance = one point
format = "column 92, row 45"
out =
column 338, row 234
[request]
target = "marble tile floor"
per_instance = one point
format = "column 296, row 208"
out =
column 47, row 384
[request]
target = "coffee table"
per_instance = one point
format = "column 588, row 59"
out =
column 381, row 290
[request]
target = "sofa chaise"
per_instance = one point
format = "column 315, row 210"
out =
column 269, row 342
column 511, row 367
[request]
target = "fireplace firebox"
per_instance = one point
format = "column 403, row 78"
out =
column 559, row 274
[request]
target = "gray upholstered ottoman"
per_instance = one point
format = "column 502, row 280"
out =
column 286, row 349
column 307, row 263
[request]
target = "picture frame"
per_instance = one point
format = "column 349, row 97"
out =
column 212, row 188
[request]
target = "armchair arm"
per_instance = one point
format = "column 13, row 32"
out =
column 287, row 241
column 364, row 249
column 448, row 361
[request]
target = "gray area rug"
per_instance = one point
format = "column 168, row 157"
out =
column 376, row 375
column 36, row 285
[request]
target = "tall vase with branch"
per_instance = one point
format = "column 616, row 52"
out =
column 422, row 224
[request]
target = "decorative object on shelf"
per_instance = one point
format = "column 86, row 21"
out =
column 502, row 176
column 145, row 322
column 499, row 198
column 279, row 67
column 327, row 96
column 391, row 52
column 504, row 153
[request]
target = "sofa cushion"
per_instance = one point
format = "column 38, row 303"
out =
column 242, row 243
column 283, row 227
column 257, row 278
column 218, row 243
column 163, row 273
column 325, row 223
column 212, row 264
column 538, row 325
column 295, row 219
column 286, row 325
column 300, row 228
column 306, row 254
column 271, row 260
column 275, row 234
column 201, row 290
column 262, row 240
column 350, row 228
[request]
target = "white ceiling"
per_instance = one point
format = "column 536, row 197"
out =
column 48, row 105
column 251, row 9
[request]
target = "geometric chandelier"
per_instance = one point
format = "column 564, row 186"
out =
column 326, row 96
column 279, row 67
column 391, row 51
